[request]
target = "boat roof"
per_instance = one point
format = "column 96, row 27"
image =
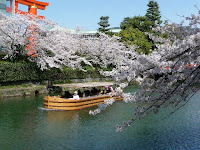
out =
column 85, row 84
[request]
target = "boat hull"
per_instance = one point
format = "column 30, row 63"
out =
column 57, row 103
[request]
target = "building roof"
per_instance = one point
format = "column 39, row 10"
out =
column 92, row 32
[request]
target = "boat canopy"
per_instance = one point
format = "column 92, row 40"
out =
column 85, row 85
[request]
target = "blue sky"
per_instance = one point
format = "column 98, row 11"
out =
column 86, row 13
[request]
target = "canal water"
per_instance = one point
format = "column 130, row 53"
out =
column 24, row 126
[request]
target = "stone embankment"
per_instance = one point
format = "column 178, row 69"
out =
column 23, row 91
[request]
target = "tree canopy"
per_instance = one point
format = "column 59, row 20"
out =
column 135, row 37
column 142, row 24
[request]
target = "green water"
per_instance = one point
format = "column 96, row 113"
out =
column 24, row 126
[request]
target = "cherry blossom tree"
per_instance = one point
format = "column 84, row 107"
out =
column 55, row 48
column 168, row 76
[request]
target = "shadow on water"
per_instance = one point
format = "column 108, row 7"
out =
column 25, row 125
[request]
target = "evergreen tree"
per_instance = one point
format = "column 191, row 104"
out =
column 135, row 37
column 134, row 28
column 140, row 22
column 153, row 13
column 104, row 24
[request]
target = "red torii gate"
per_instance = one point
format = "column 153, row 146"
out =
column 33, row 5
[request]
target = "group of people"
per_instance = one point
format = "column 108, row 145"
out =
column 87, row 93
column 70, row 96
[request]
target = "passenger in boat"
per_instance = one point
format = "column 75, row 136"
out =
column 80, row 94
column 87, row 93
column 103, row 92
column 98, row 92
column 75, row 96
column 94, row 91
column 107, row 89
column 67, row 95
column 111, row 89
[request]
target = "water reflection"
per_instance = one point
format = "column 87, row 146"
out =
column 60, row 117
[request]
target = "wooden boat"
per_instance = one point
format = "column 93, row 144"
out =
column 59, row 103
column 55, row 102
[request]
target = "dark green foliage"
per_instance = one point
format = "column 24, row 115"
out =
column 140, row 22
column 133, row 33
column 21, row 72
column 12, row 72
column 133, row 36
column 153, row 13
column 110, row 33
column 134, row 28
column 104, row 24
column 69, row 73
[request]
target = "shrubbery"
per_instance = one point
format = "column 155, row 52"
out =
column 22, row 71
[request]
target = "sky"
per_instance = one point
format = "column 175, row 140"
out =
column 87, row 13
